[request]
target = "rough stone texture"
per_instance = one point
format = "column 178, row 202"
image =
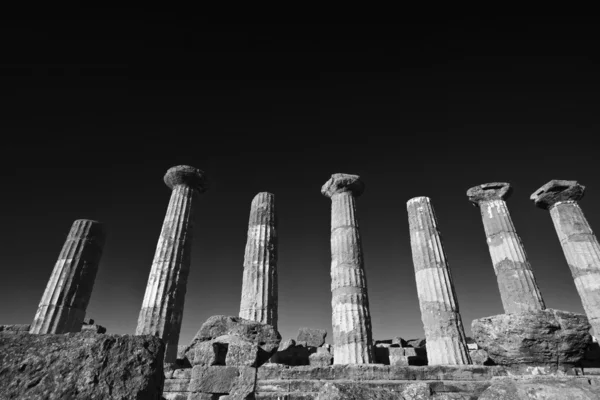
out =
column 209, row 353
column 263, row 335
column 541, row 389
column 65, row 300
column 241, row 353
column 259, row 284
column 444, row 332
column 480, row 357
column 579, row 244
column 216, row 379
column 95, row 328
column 351, row 318
column 162, row 307
column 518, row 288
column 312, row 337
column 557, row 191
column 400, row 342
column 293, row 354
column 320, row 359
column 354, row 391
column 81, row 366
column 19, row 328
column 545, row 336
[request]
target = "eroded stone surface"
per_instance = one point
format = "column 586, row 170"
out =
column 264, row 336
column 259, row 284
column 581, row 249
column 446, row 343
column 541, row 389
column 546, row 336
column 518, row 288
column 80, row 366
column 351, row 317
column 557, row 190
column 69, row 289
column 162, row 307
column 312, row 337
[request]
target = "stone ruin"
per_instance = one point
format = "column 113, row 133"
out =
column 527, row 352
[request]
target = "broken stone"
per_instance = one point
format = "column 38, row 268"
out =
column 241, row 353
column 264, row 336
column 312, row 337
column 93, row 328
column 397, row 356
column 399, row 341
column 19, row 328
column 548, row 336
column 208, row 353
column 354, row 391
column 416, row 343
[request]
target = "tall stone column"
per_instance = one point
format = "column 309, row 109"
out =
column 518, row 289
column 162, row 308
column 444, row 333
column 69, row 289
column 259, row 285
column 351, row 318
column 579, row 243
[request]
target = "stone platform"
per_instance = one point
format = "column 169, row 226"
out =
column 465, row 382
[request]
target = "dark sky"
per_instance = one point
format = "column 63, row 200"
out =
column 94, row 111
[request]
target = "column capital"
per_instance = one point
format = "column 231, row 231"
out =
column 340, row 183
column 555, row 191
column 489, row 191
column 186, row 175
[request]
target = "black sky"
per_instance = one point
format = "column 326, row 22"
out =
column 94, row 110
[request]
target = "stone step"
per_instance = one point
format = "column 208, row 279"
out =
column 313, row 386
column 369, row 372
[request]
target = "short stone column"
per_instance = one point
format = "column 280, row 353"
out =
column 69, row 289
column 259, row 284
column 162, row 307
column 444, row 333
column 351, row 318
column 579, row 243
column 518, row 288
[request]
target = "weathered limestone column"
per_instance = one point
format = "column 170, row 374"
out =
column 579, row 243
column 162, row 308
column 444, row 333
column 69, row 289
column 351, row 318
column 259, row 285
column 518, row 289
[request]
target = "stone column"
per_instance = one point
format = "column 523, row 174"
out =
column 162, row 308
column 518, row 289
column 446, row 343
column 351, row 318
column 69, row 289
column 579, row 243
column 259, row 286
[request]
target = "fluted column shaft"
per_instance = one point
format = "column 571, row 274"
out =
column 582, row 252
column 444, row 332
column 259, row 285
column 162, row 308
column 518, row 288
column 65, row 300
column 351, row 318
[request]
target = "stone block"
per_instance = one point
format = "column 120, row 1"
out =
column 547, row 336
column 397, row 356
column 207, row 354
column 176, row 385
column 184, row 373
column 320, row 359
column 174, row 396
column 241, row 353
column 245, row 385
column 546, row 388
column 399, row 341
column 215, row 379
column 16, row 328
column 204, row 396
column 312, row 337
